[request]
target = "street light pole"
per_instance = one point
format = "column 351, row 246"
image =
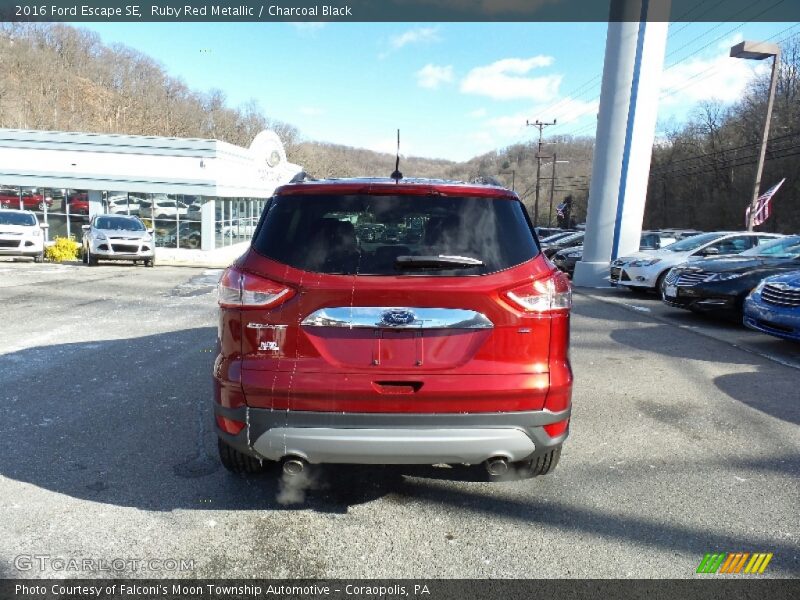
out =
column 760, row 51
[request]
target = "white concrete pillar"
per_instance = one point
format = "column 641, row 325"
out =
column 625, row 132
column 208, row 236
column 95, row 203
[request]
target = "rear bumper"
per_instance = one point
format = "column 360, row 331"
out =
column 381, row 438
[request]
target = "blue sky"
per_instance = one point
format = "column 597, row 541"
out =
column 454, row 90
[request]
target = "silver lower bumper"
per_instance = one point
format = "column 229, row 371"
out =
column 394, row 446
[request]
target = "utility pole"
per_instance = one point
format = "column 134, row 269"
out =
column 513, row 173
column 552, row 190
column 540, row 126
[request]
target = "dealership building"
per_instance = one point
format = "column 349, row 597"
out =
column 199, row 195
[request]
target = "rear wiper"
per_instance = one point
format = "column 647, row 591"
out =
column 433, row 262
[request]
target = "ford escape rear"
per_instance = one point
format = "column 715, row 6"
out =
column 411, row 322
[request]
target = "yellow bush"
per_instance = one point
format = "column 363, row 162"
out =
column 63, row 249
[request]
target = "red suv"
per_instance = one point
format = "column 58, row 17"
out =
column 383, row 322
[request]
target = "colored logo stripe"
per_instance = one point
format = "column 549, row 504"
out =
column 710, row 563
column 733, row 562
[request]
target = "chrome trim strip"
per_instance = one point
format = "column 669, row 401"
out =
column 385, row 317
column 264, row 326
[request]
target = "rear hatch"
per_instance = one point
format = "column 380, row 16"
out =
column 393, row 302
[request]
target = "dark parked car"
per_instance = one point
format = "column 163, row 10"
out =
column 722, row 284
column 567, row 258
column 570, row 241
column 452, row 349
column 774, row 306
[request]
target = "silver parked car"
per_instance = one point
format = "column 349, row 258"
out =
column 118, row 237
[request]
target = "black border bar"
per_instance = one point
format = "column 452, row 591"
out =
column 710, row 587
column 391, row 10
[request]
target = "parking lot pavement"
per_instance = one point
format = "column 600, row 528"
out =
column 680, row 444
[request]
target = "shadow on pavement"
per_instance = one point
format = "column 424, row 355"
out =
column 127, row 422
column 669, row 341
column 765, row 390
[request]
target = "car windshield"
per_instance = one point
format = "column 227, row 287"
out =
column 10, row 217
column 788, row 247
column 693, row 243
column 119, row 224
column 556, row 237
column 394, row 235
column 575, row 237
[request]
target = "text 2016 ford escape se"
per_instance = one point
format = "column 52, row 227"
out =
column 383, row 322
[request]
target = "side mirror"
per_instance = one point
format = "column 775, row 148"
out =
column 151, row 231
column 711, row 251
column 86, row 227
column 44, row 225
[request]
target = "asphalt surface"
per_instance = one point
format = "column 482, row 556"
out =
column 684, row 440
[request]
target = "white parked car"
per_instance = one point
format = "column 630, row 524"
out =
column 647, row 269
column 161, row 207
column 21, row 234
column 122, row 204
column 244, row 227
column 118, row 237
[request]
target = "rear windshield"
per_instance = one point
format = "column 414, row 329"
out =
column 8, row 217
column 391, row 235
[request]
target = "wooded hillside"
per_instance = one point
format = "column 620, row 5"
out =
column 58, row 77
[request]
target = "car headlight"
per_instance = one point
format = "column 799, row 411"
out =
column 645, row 262
column 725, row 276
column 100, row 237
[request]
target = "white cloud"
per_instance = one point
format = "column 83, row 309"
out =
column 311, row 111
column 388, row 145
column 722, row 78
column 478, row 113
column 505, row 80
column 309, row 27
column 417, row 35
column 731, row 41
column 432, row 76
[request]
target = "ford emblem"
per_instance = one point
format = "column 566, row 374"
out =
column 397, row 316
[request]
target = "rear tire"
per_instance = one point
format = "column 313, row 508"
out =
column 542, row 464
column 238, row 462
column 39, row 258
column 150, row 262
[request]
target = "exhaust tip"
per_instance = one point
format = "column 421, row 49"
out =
column 497, row 466
column 293, row 466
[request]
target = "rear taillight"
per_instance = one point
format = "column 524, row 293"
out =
column 552, row 293
column 238, row 289
column 230, row 425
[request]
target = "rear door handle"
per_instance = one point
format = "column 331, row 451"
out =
column 397, row 387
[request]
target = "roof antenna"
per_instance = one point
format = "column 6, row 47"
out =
column 397, row 175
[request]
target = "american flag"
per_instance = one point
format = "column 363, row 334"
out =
column 762, row 205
